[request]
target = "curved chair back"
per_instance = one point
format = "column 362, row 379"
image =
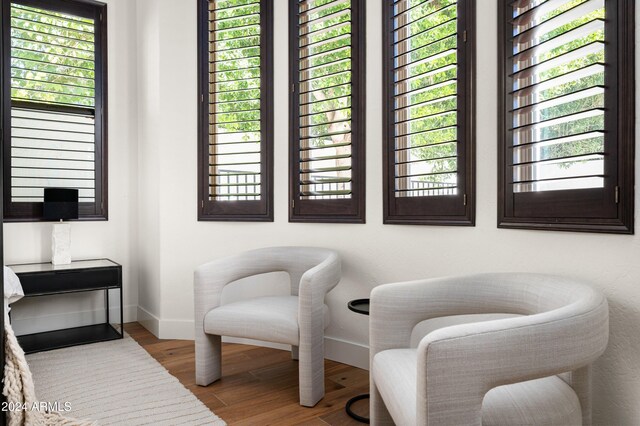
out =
column 295, row 261
column 537, row 297
column 564, row 327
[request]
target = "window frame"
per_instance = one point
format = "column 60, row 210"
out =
column 617, row 198
column 32, row 211
column 458, row 210
column 237, row 210
column 350, row 210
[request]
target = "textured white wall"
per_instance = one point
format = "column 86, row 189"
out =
column 149, row 118
column 153, row 229
column 31, row 242
column 373, row 253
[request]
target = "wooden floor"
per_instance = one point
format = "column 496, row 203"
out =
column 259, row 385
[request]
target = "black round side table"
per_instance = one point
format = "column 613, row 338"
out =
column 360, row 306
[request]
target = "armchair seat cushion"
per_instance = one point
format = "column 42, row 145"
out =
column 546, row 401
column 273, row 319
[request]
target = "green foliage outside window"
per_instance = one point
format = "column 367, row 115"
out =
column 592, row 63
column 52, row 57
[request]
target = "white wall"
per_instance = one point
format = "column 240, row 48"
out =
column 149, row 117
column 154, row 233
column 372, row 253
column 114, row 239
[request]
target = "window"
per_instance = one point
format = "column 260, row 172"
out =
column 235, row 156
column 567, row 115
column 327, row 59
column 54, row 104
column 429, row 54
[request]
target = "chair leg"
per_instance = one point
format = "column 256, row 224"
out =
column 580, row 381
column 208, row 359
column 294, row 353
column 311, row 373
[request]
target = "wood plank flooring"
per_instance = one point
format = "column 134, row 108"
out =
column 259, row 385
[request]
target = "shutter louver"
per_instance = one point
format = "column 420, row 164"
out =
column 325, row 90
column 327, row 110
column 235, row 91
column 52, row 57
column 53, row 103
column 429, row 129
column 557, row 71
column 567, row 115
column 425, row 78
column 51, row 149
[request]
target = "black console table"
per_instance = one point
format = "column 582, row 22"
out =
column 46, row 279
column 360, row 306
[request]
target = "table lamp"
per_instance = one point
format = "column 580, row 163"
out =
column 60, row 204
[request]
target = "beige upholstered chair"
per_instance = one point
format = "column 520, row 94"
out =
column 298, row 320
column 490, row 349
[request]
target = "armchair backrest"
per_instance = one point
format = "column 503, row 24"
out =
column 510, row 293
column 562, row 327
column 506, row 293
column 210, row 278
column 295, row 261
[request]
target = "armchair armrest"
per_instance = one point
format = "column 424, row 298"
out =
column 314, row 285
column 395, row 309
column 319, row 280
column 458, row 365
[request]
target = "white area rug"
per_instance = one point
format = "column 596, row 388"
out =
column 116, row 383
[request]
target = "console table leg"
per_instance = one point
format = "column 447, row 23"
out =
column 106, row 301
column 121, row 304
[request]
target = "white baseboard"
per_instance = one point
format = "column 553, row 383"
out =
column 131, row 313
column 335, row 349
column 345, row 352
column 165, row 329
column 149, row 321
column 177, row 329
column 339, row 350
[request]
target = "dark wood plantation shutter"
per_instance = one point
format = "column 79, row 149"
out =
column 236, row 113
column 567, row 115
column 55, row 120
column 429, row 99
column 327, row 110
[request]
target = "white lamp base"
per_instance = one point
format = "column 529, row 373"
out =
column 61, row 244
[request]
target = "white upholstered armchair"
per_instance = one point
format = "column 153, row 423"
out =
column 298, row 320
column 489, row 349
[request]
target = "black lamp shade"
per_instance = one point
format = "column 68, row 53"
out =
column 60, row 203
